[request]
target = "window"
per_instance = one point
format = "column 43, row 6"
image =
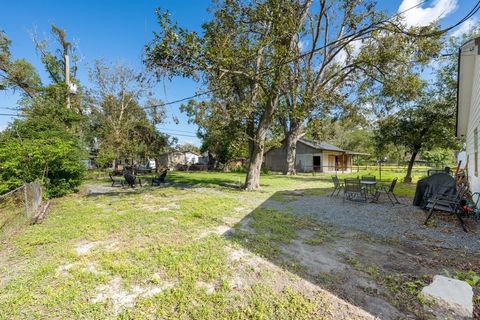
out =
column 475, row 151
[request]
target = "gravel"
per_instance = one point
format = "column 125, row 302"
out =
column 400, row 222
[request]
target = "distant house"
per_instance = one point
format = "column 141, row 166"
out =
column 468, row 107
column 312, row 156
column 174, row 159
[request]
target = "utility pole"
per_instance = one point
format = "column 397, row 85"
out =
column 67, row 78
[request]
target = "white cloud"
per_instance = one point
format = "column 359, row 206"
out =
column 420, row 16
column 354, row 49
column 465, row 27
column 302, row 45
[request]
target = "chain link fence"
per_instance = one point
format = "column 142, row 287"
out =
column 20, row 205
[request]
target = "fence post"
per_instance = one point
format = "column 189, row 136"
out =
column 26, row 199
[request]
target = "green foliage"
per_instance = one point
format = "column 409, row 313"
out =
column 438, row 156
column 43, row 146
column 17, row 74
column 123, row 128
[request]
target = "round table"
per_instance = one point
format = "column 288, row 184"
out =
column 369, row 184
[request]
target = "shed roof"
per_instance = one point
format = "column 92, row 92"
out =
column 320, row 145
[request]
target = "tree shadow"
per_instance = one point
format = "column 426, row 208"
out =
column 374, row 256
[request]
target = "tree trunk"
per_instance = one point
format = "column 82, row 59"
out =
column 252, row 181
column 158, row 167
column 291, row 150
column 408, row 177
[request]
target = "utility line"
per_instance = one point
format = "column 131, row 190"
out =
column 11, row 115
column 358, row 33
column 180, row 135
column 164, row 128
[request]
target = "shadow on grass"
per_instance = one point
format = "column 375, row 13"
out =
column 371, row 255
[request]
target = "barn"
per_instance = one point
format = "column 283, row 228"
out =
column 312, row 156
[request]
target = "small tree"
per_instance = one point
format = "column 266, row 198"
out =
column 429, row 124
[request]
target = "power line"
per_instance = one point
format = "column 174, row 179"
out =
column 358, row 34
column 11, row 115
column 180, row 135
column 163, row 128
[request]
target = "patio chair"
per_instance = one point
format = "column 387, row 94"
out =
column 369, row 178
column 131, row 179
column 115, row 181
column 451, row 203
column 388, row 191
column 354, row 191
column 160, row 179
column 338, row 186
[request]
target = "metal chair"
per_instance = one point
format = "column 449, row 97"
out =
column 369, row 178
column 451, row 203
column 354, row 191
column 338, row 186
column 389, row 192
column 115, row 181
column 160, row 179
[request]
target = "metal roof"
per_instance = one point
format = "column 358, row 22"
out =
column 320, row 145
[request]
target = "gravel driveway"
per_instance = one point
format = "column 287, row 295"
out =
column 400, row 222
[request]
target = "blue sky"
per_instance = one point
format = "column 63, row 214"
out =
column 117, row 30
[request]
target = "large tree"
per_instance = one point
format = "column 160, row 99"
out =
column 123, row 127
column 45, row 143
column 242, row 57
column 348, row 53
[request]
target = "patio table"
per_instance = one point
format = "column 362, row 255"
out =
column 369, row 184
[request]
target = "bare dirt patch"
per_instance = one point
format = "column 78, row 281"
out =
column 121, row 297
column 376, row 256
column 251, row 269
column 84, row 247
column 220, row 230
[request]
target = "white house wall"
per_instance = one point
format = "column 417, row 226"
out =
column 474, row 123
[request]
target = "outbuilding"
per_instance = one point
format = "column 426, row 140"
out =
column 312, row 156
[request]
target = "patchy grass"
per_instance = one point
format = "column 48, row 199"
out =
column 150, row 253
column 155, row 253
column 322, row 234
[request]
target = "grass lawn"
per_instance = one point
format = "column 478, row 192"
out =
column 165, row 253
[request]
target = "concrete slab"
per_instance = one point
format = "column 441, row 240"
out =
column 451, row 294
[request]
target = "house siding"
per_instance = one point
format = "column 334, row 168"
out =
column 275, row 159
column 474, row 124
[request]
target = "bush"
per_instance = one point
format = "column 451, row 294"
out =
column 43, row 146
column 54, row 160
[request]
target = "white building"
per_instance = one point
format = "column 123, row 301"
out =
column 178, row 158
column 468, row 107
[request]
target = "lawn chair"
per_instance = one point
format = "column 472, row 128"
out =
column 131, row 179
column 389, row 192
column 337, row 185
column 115, row 181
column 354, row 191
column 451, row 203
column 160, row 179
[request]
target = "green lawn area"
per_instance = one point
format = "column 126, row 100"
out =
column 159, row 253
